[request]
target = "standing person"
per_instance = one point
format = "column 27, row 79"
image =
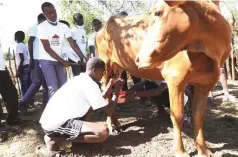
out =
column 8, row 93
column 226, row 13
column 52, row 33
column 69, row 54
column 79, row 35
column 22, row 62
column 96, row 26
column 65, row 116
column 36, row 73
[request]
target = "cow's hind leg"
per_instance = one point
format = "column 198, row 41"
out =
column 176, row 92
column 199, row 110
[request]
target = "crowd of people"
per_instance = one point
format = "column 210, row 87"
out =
column 52, row 46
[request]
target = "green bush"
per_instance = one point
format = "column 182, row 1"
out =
column 8, row 56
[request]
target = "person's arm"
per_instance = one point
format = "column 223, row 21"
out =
column 19, row 51
column 52, row 53
column 76, row 48
column 30, row 47
column 153, row 92
column 92, row 50
column 91, row 46
column 33, row 35
column 150, row 93
column 110, row 109
column 94, row 96
column 108, row 89
column 19, row 68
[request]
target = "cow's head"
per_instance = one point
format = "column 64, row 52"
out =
column 170, row 24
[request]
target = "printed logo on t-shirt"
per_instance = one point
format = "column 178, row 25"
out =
column 55, row 40
column 83, row 41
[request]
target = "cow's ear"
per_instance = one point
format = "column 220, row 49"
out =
column 173, row 3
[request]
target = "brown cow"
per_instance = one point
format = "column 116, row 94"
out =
column 182, row 42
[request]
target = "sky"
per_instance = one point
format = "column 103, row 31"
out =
column 18, row 15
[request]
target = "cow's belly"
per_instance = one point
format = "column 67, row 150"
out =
column 200, row 71
column 150, row 74
column 130, row 66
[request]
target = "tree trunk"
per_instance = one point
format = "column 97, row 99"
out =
column 232, row 64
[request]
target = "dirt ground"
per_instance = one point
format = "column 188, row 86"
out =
column 142, row 136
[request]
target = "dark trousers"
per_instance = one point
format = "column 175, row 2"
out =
column 25, row 79
column 38, row 79
column 9, row 95
column 124, row 77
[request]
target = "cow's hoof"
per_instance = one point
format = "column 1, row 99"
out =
column 114, row 131
column 207, row 153
column 182, row 155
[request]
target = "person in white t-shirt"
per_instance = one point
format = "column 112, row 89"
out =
column 52, row 34
column 9, row 94
column 79, row 36
column 96, row 26
column 37, row 76
column 22, row 62
column 64, row 117
column 69, row 54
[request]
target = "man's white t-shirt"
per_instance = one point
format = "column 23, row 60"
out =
column 38, row 48
column 72, row 100
column 79, row 34
column 91, row 42
column 2, row 60
column 23, row 49
column 55, row 34
column 68, row 52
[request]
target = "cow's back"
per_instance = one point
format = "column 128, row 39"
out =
column 120, row 39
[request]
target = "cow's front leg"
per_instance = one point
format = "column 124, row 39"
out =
column 111, row 120
column 176, row 93
column 199, row 110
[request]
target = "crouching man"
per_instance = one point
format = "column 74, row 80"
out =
column 65, row 114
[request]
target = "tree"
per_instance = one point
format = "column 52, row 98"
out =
column 69, row 8
column 100, row 9
column 229, row 11
column 26, row 37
